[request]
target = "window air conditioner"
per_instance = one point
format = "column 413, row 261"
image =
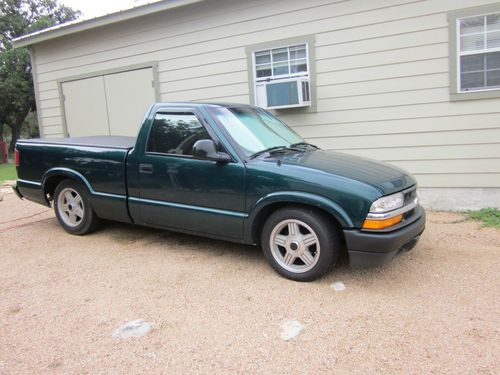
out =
column 286, row 93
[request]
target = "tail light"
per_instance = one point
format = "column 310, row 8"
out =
column 16, row 157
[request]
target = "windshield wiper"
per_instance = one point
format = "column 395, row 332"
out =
column 298, row 144
column 293, row 147
column 266, row 150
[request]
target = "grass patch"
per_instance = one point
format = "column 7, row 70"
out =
column 489, row 216
column 7, row 172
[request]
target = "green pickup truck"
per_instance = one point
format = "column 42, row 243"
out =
column 233, row 172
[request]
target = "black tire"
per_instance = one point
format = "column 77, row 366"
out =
column 75, row 216
column 295, row 255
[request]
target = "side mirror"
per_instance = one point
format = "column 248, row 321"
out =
column 205, row 149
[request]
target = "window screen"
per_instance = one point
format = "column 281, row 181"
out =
column 175, row 133
column 479, row 52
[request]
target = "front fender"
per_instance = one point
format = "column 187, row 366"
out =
column 297, row 197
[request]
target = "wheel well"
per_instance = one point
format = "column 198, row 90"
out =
column 51, row 184
column 263, row 215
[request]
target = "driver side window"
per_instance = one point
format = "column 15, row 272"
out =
column 175, row 133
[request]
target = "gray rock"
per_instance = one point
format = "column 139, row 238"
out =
column 134, row 328
column 151, row 355
column 290, row 329
column 338, row 286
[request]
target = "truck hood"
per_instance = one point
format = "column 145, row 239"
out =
column 385, row 177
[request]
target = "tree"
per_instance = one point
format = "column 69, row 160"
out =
column 20, row 17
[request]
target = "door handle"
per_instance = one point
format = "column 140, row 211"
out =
column 145, row 168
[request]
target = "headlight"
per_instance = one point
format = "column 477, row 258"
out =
column 389, row 203
column 385, row 212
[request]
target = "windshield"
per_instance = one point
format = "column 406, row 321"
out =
column 255, row 129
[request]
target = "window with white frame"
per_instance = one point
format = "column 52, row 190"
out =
column 478, row 55
column 278, row 63
column 281, row 76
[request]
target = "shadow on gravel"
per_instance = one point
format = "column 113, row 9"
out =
column 138, row 238
column 129, row 234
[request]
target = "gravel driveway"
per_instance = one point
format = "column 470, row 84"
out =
column 218, row 307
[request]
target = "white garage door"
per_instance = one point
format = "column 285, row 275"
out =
column 111, row 104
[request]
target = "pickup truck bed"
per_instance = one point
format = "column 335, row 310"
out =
column 100, row 162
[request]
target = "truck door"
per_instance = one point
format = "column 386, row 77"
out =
column 180, row 192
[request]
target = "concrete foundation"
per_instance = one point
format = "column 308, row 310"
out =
column 459, row 199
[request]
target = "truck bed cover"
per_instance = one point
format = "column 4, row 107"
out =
column 118, row 142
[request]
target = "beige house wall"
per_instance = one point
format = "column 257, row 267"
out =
column 382, row 76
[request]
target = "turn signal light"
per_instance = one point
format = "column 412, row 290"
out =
column 381, row 224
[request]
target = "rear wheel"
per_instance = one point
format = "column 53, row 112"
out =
column 300, row 244
column 73, row 209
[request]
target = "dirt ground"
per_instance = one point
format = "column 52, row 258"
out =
column 218, row 307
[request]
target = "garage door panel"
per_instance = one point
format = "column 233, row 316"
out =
column 128, row 96
column 85, row 107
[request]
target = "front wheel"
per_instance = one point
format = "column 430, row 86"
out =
column 300, row 244
column 73, row 209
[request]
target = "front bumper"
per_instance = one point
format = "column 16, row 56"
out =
column 370, row 249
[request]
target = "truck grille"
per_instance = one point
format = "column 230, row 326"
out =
column 409, row 195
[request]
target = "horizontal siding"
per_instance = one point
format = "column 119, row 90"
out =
column 222, row 79
column 50, row 85
column 223, row 98
column 467, row 166
column 382, row 72
column 412, row 125
column 455, row 137
column 58, row 135
column 334, row 16
column 227, row 99
column 49, row 112
column 238, row 25
column 425, row 110
column 373, row 31
column 380, row 86
column 392, row 99
column 381, row 76
column 52, row 130
column 208, row 65
column 48, row 94
column 462, row 180
column 420, row 153
column 207, row 92
column 49, row 103
column 385, row 43
column 177, row 23
column 391, row 57
column 53, row 121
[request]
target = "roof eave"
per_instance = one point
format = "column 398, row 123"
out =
column 108, row 19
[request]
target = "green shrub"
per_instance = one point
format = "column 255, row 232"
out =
column 489, row 216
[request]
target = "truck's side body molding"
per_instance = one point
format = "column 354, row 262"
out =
column 240, row 215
